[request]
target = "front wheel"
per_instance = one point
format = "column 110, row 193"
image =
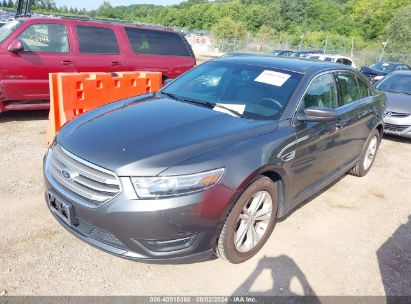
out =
column 250, row 222
column 368, row 155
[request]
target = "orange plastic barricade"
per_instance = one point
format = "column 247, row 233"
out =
column 74, row 93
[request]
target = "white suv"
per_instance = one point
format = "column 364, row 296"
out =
column 333, row 58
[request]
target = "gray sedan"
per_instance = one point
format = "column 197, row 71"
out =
column 397, row 88
column 210, row 162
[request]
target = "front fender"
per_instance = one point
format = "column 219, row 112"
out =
column 244, row 160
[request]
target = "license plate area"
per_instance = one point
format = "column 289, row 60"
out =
column 63, row 209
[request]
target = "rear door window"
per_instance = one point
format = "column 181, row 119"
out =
column 351, row 88
column 97, row 40
column 45, row 38
column 155, row 42
column 322, row 92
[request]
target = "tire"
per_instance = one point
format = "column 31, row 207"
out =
column 260, row 190
column 364, row 165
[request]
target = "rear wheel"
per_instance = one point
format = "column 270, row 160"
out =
column 250, row 222
column 368, row 155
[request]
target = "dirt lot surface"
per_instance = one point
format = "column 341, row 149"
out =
column 353, row 239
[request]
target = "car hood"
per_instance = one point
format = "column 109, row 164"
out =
column 397, row 102
column 371, row 71
column 146, row 136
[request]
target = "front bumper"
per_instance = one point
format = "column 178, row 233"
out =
column 171, row 230
column 399, row 126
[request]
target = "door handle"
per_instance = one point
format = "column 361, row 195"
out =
column 67, row 63
column 116, row 64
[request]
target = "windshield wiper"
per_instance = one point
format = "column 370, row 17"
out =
column 185, row 99
column 232, row 111
column 203, row 103
column 213, row 105
column 171, row 95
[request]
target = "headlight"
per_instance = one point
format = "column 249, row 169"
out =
column 156, row 187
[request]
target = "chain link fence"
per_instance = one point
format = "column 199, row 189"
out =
column 208, row 45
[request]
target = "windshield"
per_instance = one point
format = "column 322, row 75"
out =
column 7, row 29
column 397, row 83
column 261, row 92
column 383, row 67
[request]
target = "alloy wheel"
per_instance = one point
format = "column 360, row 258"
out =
column 370, row 153
column 253, row 221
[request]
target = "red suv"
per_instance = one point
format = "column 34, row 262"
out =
column 31, row 48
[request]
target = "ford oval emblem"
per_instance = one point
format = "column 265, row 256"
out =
column 65, row 174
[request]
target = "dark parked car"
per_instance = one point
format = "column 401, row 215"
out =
column 397, row 88
column 31, row 48
column 377, row 71
column 210, row 162
column 282, row 52
column 306, row 53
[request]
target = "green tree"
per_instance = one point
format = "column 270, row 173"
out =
column 370, row 17
column 106, row 10
column 365, row 21
column 266, row 33
column 398, row 31
column 227, row 28
column 293, row 14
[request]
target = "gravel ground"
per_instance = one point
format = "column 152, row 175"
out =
column 353, row 239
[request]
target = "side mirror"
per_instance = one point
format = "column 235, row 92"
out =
column 16, row 46
column 168, row 81
column 317, row 114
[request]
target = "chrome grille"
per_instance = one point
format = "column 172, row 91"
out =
column 95, row 184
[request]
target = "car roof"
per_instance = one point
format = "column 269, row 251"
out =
column 338, row 56
column 294, row 64
column 97, row 22
column 392, row 62
column 402, row 72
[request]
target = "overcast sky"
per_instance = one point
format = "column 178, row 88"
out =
column 93, row 4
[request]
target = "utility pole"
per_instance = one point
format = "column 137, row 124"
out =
column 301, row 43
column 352, row 48
column 326, row 44
column 384, row 44
column 24, row 8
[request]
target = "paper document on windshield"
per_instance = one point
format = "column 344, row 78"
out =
column 239, row 108
column 274, row 78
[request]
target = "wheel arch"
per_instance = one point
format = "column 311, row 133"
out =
column 277, row 176
column 278, row 180
column 380, row 129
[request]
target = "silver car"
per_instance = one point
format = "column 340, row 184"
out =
column 397, row 88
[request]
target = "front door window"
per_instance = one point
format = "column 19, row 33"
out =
column 45, row 38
